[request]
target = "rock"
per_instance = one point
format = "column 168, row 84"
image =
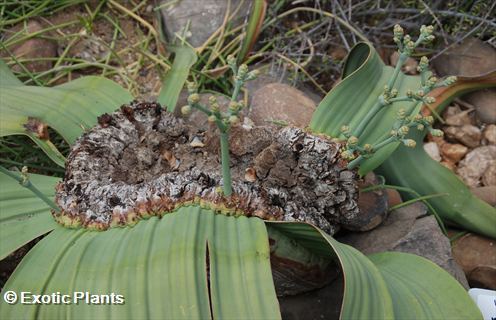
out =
column 281, row 102
column 484, row 102
column 489, row 177
column 453, row 151
column 487, row 194
column 459, row 119
column 483, row 277
column 475, row 164
column 410, row 66
column 270, row 74
column 204, row 17
column 394, row 197
column 33, row 48
column 448, row 164
column 408, row 229
column 472, row 57
column 451, row 111
column 489, row 134
column 432, row 150
column 89, row 48
column 477, row 256
column 373, row 205
column 467, row 134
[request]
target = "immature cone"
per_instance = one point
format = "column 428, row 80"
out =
column 191, row 87
column 194, row 98
column 409, row 143
column 234, row 120
column 231, row 59
column 436, row 132
column 450, row 80
column 352, row 141
column 398, row 31
column 403, row 130
column 423, row 64
column 186, row 110
column 430, row 100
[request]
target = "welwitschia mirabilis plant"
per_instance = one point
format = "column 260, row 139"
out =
column 158, row 265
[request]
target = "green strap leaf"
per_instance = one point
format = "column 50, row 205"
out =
column 23, row 216
column 364, row 78
column 240, row 258
column 49, row 149
column 69, row 108
column 365, row 292
column 185, row 58
column 371, row 286
column 414, row 169
column 7, row 78
column 412, row 290
column 159, row 266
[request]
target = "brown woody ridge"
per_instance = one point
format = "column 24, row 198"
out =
column 142, row 161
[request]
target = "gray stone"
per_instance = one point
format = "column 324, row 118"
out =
column 475, row 163
column 467, row 134
column 204, row 17
column 432, row 149
column 33, row 48
column 453, row 152
column 484, row 102
column 489, row 176
column 477, row 256
column 489, row 134
column 487, row 194
column 470, row 58
column 409, row 229
column 459, row 119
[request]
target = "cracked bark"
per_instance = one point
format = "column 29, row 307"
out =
column 142, row 161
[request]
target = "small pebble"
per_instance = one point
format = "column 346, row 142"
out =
column 489, row 177
column 197, row 143
column 489, row 134
column 475, row 164
column 453, row 151
column 467, row 134
column 432, row 150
